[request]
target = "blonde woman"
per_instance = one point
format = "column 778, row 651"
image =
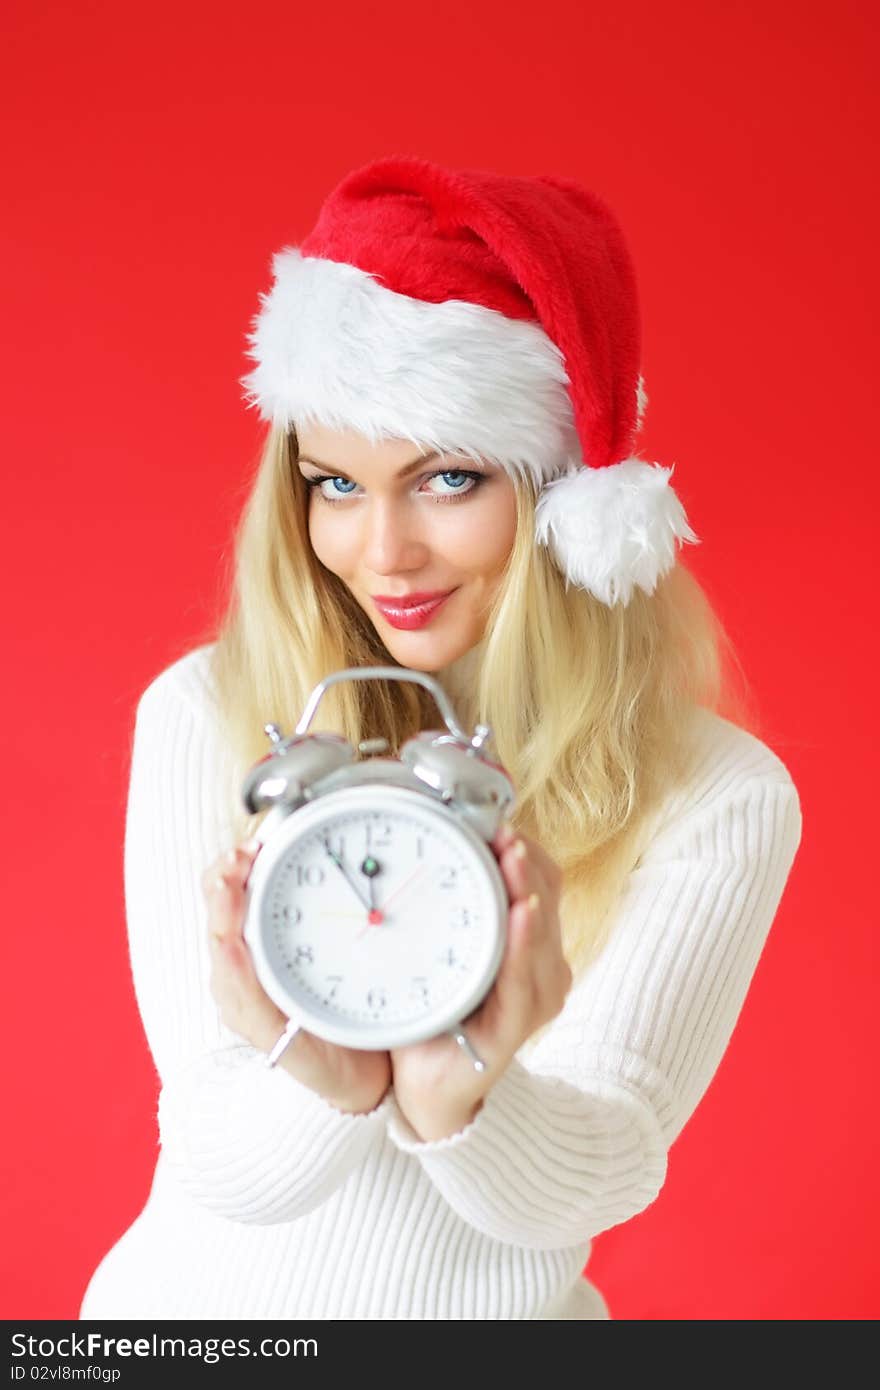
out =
column 449, row 371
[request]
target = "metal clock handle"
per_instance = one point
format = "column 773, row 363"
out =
column 395, row 673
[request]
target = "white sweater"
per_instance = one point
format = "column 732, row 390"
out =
column 269, row 1203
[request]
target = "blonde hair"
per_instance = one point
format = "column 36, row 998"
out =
column 588, row 705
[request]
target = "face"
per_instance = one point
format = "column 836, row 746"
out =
column 391, row 523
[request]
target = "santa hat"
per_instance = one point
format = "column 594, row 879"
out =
column 479, row 314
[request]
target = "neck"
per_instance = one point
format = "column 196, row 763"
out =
column 459, row 679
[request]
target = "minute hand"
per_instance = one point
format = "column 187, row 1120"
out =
column 346, row 875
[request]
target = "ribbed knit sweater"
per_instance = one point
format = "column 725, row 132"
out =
column 267, row 1202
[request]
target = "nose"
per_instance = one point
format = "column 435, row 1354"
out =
column 393, row 543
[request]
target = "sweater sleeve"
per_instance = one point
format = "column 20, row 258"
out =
column 243, row 1140
column 574, row 1137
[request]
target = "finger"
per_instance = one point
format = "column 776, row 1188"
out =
column 225, row 893
column 514, row 989
column 231, row 961
column 545, row 866
column 545, row 938
column 239, row 860
column 522, row 872
column 504, row 835
column 502, row 1022
column 547, row 964
column 522, row 923
column 535, row 978
column 232, row 865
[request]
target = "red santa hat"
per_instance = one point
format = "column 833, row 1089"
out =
column 479, row 314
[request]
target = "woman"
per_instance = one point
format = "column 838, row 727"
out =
column 449, row 366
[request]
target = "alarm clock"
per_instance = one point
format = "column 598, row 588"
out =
column 376, row 912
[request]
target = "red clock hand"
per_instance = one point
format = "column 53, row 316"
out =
column 406, row 882
column 376, row 917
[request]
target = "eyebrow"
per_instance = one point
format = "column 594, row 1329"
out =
column 404, row 472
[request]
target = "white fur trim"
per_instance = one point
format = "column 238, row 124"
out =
column 334, row 346
column 614, row 527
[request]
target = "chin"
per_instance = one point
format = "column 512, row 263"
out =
column 418, row 656
column 422, row 651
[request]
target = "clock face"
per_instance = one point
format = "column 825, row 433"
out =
column 378, row 917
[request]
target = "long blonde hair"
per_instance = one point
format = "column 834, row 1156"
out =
column 588, row 705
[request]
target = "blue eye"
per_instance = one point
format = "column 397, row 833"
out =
column 458, row 493
column 334, row 481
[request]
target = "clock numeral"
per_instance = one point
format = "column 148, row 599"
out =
column 420, row 987
column 376, row 999
column 420, row 847
column 448, row 876
column 292, row 914
column 461, row 917
column 378, row 837
column 309, row 875
column 449, row 957
column 334, row 981
column 304, row 953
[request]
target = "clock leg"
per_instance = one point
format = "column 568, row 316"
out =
column 283, row 1042
column 461, row 1038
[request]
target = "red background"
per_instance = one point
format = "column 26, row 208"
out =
column 156, row 159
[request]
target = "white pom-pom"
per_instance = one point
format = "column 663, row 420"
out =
column 612, row 528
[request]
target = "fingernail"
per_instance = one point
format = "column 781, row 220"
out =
column 519, row 850
column 534, row 902
column 231, row 856
column 221, row 883
column 252, row 845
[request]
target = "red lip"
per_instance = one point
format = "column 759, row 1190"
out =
column 410, row 600
column 412, row 611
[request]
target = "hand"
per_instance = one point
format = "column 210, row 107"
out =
column 435, row 1084
column 352, row 1080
